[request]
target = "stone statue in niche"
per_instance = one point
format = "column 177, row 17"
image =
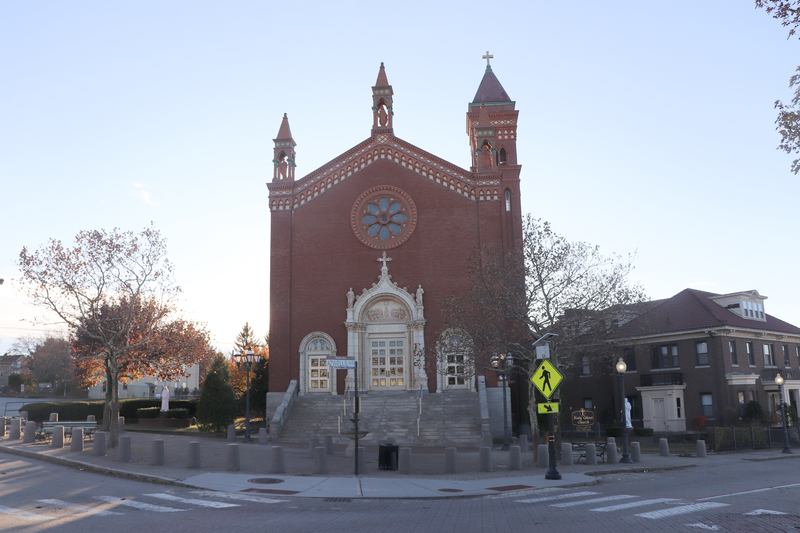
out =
column 351, row 298
column 486, row 156
column 383, row 117
column 420, row 292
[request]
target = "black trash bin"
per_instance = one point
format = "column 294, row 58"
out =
column 387, row 456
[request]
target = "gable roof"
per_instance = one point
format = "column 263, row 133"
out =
column 691, row 310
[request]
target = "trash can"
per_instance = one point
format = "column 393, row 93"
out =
column 387, row 456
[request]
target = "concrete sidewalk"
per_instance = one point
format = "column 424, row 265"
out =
column 427, row 479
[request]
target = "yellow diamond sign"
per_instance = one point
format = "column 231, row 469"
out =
column 547, row 378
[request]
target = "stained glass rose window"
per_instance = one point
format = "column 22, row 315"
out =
column 383, row 217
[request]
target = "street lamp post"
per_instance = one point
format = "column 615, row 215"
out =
column 248, row 357
column 779, row 383
column 502, row 364
column 621, row 368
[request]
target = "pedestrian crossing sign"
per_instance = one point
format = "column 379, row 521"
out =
column 547, row 378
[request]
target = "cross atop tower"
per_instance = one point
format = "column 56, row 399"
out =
column 487, row 57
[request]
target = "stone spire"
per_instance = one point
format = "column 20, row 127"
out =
column 382, row 104
column 283, row 153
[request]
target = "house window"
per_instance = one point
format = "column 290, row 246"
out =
column 678, row 406
column 707, row 405
column 586, row 368
column 630, row 359
column 751, row 355
column 702, row 353
column 124, row 385
column 732, row 348
column 769, row 355
column 786, row 361
column 587, row 404
column 665, row 356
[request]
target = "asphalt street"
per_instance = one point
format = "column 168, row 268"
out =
column 761, row 496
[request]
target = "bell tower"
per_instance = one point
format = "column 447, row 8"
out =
column 283, row 153
column 382, row 112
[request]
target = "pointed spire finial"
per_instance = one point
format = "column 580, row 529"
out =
column 382, row 81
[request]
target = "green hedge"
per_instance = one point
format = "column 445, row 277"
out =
column 175, row 413
column 643, row 432
column 614, row 432
column 78, row 411
column 147, row 412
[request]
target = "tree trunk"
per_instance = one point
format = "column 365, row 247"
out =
column 534, row 421
column 112, row 401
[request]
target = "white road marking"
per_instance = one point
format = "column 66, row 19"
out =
column 749, row 492
column 81, row 508
column 683, row 509
column 704, row 526
column 191, row 501
column 633, row 504
column 762, row 511
column 557, row 497
column 138, row 505
column 234, row 496
column 594, row 500
column 24, row 515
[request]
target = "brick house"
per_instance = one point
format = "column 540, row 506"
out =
column 696, row 353
column 366, row 249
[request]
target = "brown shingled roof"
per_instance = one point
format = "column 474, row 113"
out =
column 490, row 90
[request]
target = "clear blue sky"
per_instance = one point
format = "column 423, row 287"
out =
column 645, row 127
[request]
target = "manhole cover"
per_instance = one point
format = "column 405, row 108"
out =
column 265, row 480
column 450, row 490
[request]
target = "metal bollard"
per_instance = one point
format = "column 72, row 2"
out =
column 485, row 459
column 450, row 460
column 636, row 453
column 193, row 455
column 124, row 450
column 320, row 460
column 515, row 458
column 404, row 461
column 232, row 463
column 276, row 464
column 157, row 458
column 76, row 442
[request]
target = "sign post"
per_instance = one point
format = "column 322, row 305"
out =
column 350, row 362
column 546, row 379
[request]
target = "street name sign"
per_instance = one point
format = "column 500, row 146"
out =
column 341, row 362
column 547, row 378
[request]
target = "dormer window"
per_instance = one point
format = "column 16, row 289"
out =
column 753, row 309
column 746, row 304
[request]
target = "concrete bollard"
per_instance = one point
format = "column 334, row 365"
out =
column 193, row 455
column 321, row 460
column 329, row 444
column 515, row 458
column 611, row 453
column 53, row 417
column 566, row 454
column 523, row 443
column 701, row 449
column 636, row 453
column 121, row 425
column 2, row 426
column 232, row 459
column 124, row 450
column 313, row 444
column 487, row 439
column 99, row 444
column 263, row 438
column 58, row 437
column 157, row 457
column 16, row 428
column 404, row 461
column 663, row 447
column 544, row 456
column 23, row 415
column 362, row 460
column 276, row 464
column 76, row 442
column 485, row 459
column 30, row 433
column 450, row 460
column 90, row 418
column 591, row 454
column 232, row 433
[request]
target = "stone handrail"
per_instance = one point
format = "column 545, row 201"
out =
column 283, row 410
column 484, row 405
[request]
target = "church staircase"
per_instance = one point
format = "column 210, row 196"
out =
column 448, row 419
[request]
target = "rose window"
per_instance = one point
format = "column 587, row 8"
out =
column 383, row 217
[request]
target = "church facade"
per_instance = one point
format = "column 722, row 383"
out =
column 367, row 249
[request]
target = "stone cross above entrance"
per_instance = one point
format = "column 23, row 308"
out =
column 383, row 259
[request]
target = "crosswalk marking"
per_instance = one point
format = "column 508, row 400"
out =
column 557, row 497
column 81, row 508
column 683, row 509
column 594, row 500
column 762, row 511
column 191, row 501
column 138, row 505
column 234, row 496
column 704, row 526
column 24, row 515
column 630, row 505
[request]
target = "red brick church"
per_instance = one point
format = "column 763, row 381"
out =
column 366, row 249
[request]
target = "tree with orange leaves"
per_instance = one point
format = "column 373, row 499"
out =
column 116, row 293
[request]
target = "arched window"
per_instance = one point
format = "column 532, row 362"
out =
column 314, row 352
column 508, row 200
column 502, row 157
